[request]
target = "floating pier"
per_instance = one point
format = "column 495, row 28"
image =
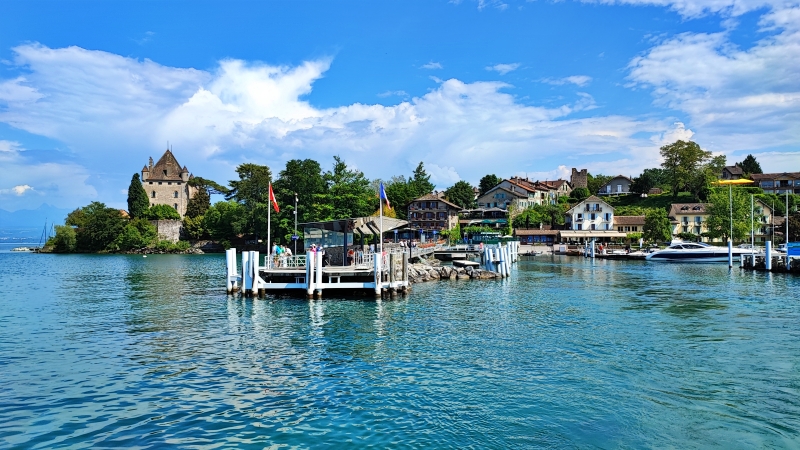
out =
column 378, row 274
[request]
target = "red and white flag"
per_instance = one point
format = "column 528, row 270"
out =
column 272, row 199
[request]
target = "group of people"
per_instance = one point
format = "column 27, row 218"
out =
column 280, row 253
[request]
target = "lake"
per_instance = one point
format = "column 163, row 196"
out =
column 125, row 351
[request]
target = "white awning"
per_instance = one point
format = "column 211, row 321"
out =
column 574, row 234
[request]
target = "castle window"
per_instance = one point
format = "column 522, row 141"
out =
column 153, row 194
column 150, row 182
column 165, row 173
column 175, row 194
column 159, row 183
column 179, row 183
column 175, row 205
column 169, row 183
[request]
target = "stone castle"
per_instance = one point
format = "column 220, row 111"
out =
column 166, row 183
column 579, row 179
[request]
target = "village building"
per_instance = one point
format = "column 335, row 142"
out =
column 432, row 214
column 166, row 183
column 542, row 236
column 732, row 173
column 778, row 183
column 689, row 218
column 589, row 219
column 619, row 185
column 501, row 197
column 629, row 224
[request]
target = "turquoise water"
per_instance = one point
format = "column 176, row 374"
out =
column 125, row 351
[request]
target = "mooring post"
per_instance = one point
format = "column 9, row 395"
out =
column 768, row 255
column 318, row 282
column 256, row 284
column 593, row 248
column 310, row 261
column 730, row 254
column 229, row 270
column 378, row 280
column 247, row 283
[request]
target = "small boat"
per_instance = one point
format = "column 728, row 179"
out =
column 24, row 249
column 695, row 252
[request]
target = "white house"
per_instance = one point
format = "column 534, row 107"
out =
column 591, row 218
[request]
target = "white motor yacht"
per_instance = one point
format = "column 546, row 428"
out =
column 695, row 252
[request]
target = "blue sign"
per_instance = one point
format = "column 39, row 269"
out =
column 395, row 231
column 295, row 237
column 793, row 249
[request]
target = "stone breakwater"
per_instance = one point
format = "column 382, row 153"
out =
column 425, row 271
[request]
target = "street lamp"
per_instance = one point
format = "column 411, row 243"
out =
column 730, row 183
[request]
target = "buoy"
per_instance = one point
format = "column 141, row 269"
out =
column 144, row 256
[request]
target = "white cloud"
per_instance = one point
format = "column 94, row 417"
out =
column 393, row 94
column 738, row 98
column 21, row 189
column 114, row 112
column 10, row 146
column 580, row 80
column 503, row 69
column 432, row 65
column 697, row 8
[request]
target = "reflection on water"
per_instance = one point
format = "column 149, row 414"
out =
column 127, row 351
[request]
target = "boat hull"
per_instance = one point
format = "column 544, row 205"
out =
column 700, row 257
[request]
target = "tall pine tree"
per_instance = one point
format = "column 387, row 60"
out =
column 137, row 198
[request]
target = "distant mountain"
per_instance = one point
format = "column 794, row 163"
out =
column 33, row 218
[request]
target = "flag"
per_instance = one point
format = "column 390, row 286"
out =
column 272, row 199
column 384, row 197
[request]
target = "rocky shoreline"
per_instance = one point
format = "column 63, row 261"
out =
column 432, row 270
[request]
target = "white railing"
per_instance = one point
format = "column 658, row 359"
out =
column 292, row 262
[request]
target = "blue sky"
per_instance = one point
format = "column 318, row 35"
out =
column 90, row 90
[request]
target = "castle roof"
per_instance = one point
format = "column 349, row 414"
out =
column 166, row 169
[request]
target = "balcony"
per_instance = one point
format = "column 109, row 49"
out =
column 593, row 208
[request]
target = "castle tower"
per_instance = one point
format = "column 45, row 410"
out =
column 166, row 183
column 579, row 179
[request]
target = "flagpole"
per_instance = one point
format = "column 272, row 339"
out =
column 269, row 227
column 380, row 241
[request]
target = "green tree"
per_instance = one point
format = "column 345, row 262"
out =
column 749, row 165
column 252, row 191
column 794, row 227
column 400, row 195
column 487, row 182
column 420, row 182
column 100, row 227
column 545, row 214
column 193, row 227
column 198, row 204
column 137, row 198
column 209, row 186
column 595, row 182
column 649, row 179
column 656, row 226
column 462, row 194
column 64, row 240
column 76, row 218
column 579, row 194
column 682, row 160
column 349, row 192
column 719, row 214
column 221, row 221
column 161, row 212
column 138, row 233
column 305, row 179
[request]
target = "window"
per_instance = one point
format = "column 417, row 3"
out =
column 635, row 228
column 593, row 227
column 619, row 229
column 169, row 183
column 159, row 183
column 165, row 173
column 619, row 188
column 608, row 217
column 580, row 216
column 580, row 226
column 179, row 183
column 766, row 184
column 175, row 205
column 608, row 189
column 175, row 194
column 153, row 194
column 150, row 182
column 592, row 217
column 607, row 225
